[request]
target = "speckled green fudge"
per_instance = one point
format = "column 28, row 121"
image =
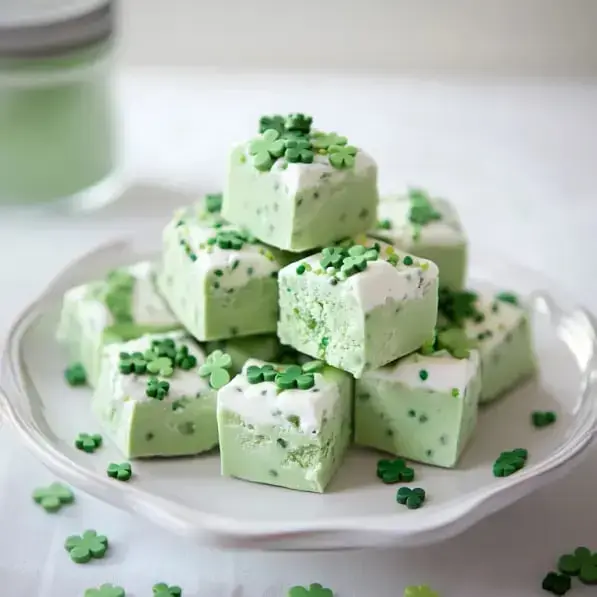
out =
column 358, row 306
column 219, row 281
column 265, row 347
column 299, row 189
column 422, row 407
column 183, row 422
column 428, row 227
column 206, row 210
column 273, row 432
column 499, row 324
column 122, row 307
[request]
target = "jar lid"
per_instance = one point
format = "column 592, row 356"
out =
column 47, row 28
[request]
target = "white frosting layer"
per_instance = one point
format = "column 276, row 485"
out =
column 396, row 209
column 382, row 280
column 261, row 404
column 444, row 372
column 252, row 256
column 132, row 387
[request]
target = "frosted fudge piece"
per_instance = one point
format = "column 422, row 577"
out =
column 219, row 281
column 428, row 227
column 264, row 347
column 285, row 425
column 500, row 326
column 422, row 407
column 152, row 400
column 299, row 189
column 359, row 305
column 122, row 307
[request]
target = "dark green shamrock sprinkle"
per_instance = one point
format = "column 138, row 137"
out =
column 157, row 388
column 183, row 359
column 457, row 306
column 510, row 462
column 299, row 150
column 229, row 239
column 384, row 224
column 256, row 374
column 215, row 367
column 266, row 149
column 163, row 348
column 543, row 418
column 395, row 471
column 581, row 563
column 292, row 377
column 122, row 471
column 298, row 122
column 275, row 122
column 88, row 442
column 411, row 498
column 313, row 590
column 342, row 156
column 75, row 375
column 507, row 297
column 421, row 208
column 132, row 363
column 213, row 202
column 53, row 497
column 82, row 548
column 162, row 589
column 558, row 584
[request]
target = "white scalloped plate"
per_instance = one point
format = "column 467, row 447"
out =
column 189, row 496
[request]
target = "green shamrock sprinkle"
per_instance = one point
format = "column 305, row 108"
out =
column 183, row 359
column 325, row 140
column 507, row 297
column 162, row 589
column 88, row 443
column 299, row 150
column 106, row 590
column 82, row 548
column 229, row 239
column 509, row 462
column 342, row 156
column 53, row 497
column 457, row 306
column 384, row 224
column 163, row 348
column 275, row 122
column 395, row 471
column 542, row 419
column 257, row 374
column 353, row 265
column 122, row 471
column 157, row 388
column 421, row 209
column 132, row 363
column 419, row 591
column 313, row 590
column 411, row 498
column 213, row 202
column 332, row 257
column 293, row 377
column 161, row 366
column 456, row 342
column 558, row 584
column 75, row 375
column 266, row 149
column 581, row 563
column 215, row 368
column 298, row 122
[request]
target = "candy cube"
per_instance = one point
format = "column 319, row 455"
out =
column 422, row 407
column 428, row 227
column 286, row 425
column 155, row 396
column 219, row 281
column 358, row 305
column 299, row 189
column 122, row 307
column 499, row 326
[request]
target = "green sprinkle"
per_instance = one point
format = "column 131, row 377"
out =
column 581, row 563
column 256, row 374
column 275, row 122
column 294, row 420
column 421, row 211
column 299, row 122
column 157, row 388
column 82, row 548
column 457, row 306
column 282, row 442
column 509, row 462
column 300, row 270
column 419, row 591
column 423, row 374
column 542, row 419
column 215, row 367
column 384, row 224
column 162, row 589
column 408, row 260
column 106, row 590
column 342, row 156
column 411, row 498
column 507, row 297
column 266, row 149
column 213, row 202
column 75, row 375
column 299, row 151
column 53, row 497
column 332, row 257
column 394, row 471
column 121, row 472
column 88, row 442
column 292, row 377
column 313, row 367
column 313, row 590
column 393, row 259
column 219, row 273
column 558, row 584
column 455, row 392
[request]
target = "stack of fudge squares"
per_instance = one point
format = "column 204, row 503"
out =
column 295, row 314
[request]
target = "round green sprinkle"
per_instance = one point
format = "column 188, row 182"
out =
column 157, row 388
column 300, row 269
column 408, row 260
column 423, row 374
column 75, row 375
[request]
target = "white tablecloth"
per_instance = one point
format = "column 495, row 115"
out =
column 518, row 159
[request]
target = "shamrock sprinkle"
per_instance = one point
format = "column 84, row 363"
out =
column 456, row 342
column 581, row 563
column 86, row 546
column 157, row 388
column 106, row 590
column 53, row 497
column 162, row 589
column 419, row 591
column 353, row 265
column 122, row 471
column 229, row 239
column 266, row 149
column 298, row 122
column 257, row 374
column 384, row 224
column 215, row 368
column 162, row 348
column 342, row 156
column 314, row 590
column 183, row 359
column 507, row 297
column 213, row 202
column 161, row 366
column 332, row 257
column 299, row 150
column 275, row 122
column 132, row 363
column 75, row 375
column 543, row 418
column 88, row 443
column 456, row 306
column 395, row 471
column 558, row 584
column 292, row 377
column 411, row 498
column 421, row 209
column 325, row 140
column 509, row 462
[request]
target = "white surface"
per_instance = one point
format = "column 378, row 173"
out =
column 516, row 158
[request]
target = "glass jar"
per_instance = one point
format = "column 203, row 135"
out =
column 57, row 118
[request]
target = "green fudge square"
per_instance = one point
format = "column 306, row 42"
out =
column 428, row 227
column 121, row 307
column 499, row 325
column 358, row 306
column 330, row 193
column 293, row 438
column 183, row 422
column 219, row 281
column 422, row 407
